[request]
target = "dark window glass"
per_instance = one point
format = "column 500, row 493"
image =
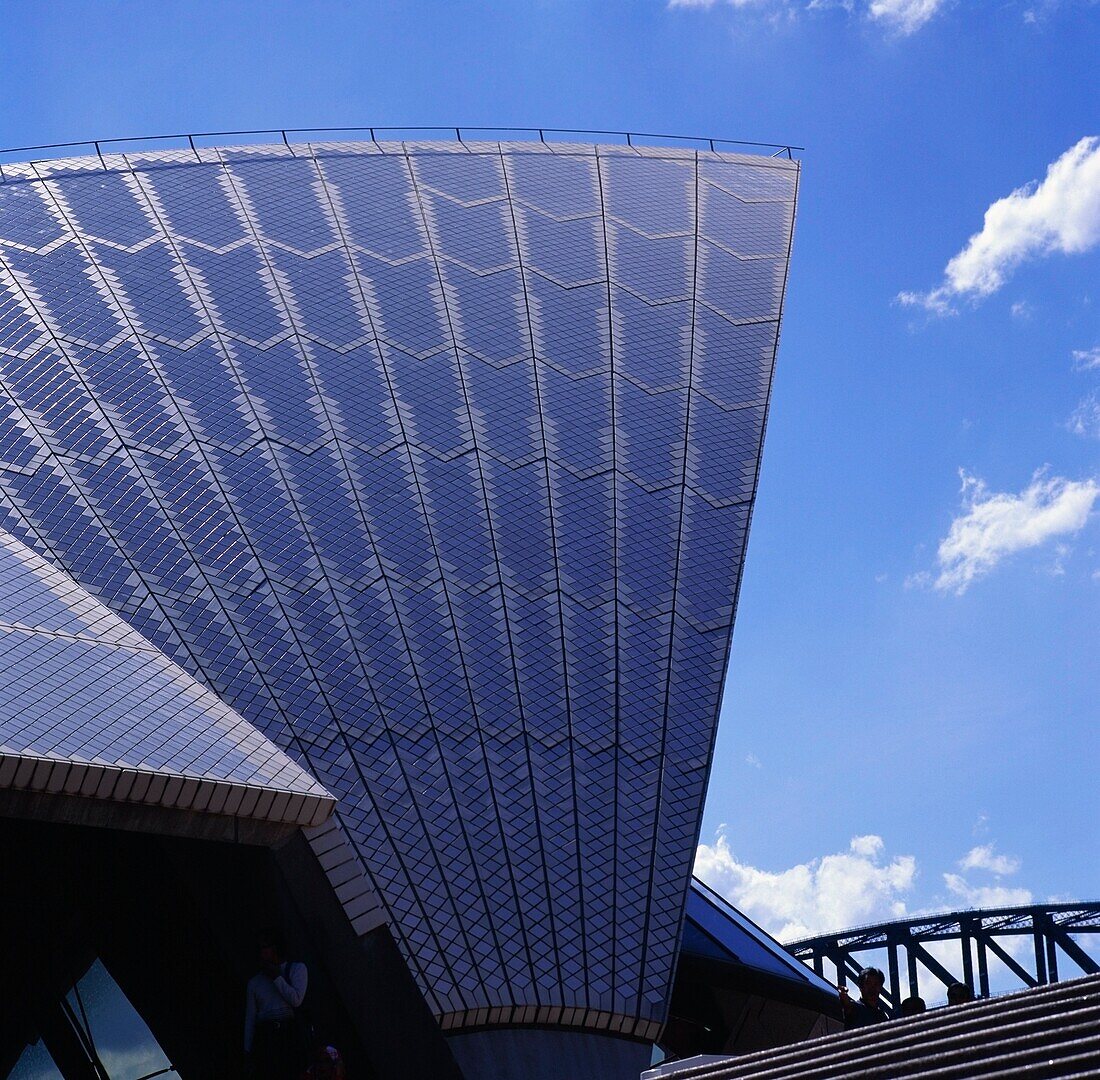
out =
column 120, row 1037
column 35, row 1063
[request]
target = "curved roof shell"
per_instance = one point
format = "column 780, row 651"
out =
column 435, row 461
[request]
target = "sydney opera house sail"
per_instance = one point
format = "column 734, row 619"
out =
column 434, row 462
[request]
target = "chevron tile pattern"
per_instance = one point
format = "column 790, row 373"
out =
column 435, row 461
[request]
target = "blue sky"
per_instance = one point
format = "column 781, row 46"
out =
column 938, row 704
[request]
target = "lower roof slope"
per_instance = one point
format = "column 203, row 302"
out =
column 88, row 707
column 1047, row 1032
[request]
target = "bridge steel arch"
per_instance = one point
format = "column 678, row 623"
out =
column 1054, row 931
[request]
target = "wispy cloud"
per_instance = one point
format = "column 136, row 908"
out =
column 899, row 16
column 1085, row 419
column 1060, row 215
column 985, row 896
column 1041, row 10
column 995, row 525
column 904, row 16
column 1086, row 359
column 704, row 4
column 843, row 889
column 984, row 857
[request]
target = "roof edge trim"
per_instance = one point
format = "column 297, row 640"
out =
column 162, row 788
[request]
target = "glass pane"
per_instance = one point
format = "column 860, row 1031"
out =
column 122, row 1040
column 35, row 1063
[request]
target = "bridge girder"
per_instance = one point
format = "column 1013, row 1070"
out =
column 981, row 934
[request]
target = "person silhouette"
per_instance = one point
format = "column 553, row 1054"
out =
column 274, row 1042
column 959, row 994
column 868, row 1009
column 912, row 1006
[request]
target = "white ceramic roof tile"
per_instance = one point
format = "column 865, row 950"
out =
column 80, row 688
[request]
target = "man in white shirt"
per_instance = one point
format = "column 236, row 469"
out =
column 275, row 1039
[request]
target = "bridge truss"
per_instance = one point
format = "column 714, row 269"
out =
column 1060, row 941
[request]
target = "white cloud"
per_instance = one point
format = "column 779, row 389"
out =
column 1059, row 215
column 899, row 16
column 1042, row 10
column 936, row 302
column 1085, row 419
column 985, row 896
column 754, row 761
column 869, row 846
column 1057, row 567
column 994, row 525
column 1086, row 359
column 904, row 16
column 984, row 857
column 731, row 3
column 840, row 890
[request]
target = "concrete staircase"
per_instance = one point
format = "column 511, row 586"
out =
column 1049, row 1031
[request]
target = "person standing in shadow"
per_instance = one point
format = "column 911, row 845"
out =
column 276, row 1036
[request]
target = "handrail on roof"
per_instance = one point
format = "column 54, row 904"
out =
column 541, row 134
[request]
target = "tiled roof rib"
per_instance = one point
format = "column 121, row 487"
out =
column 1047, row 1032
column 435, row 461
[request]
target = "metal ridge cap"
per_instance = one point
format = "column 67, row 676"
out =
column 534, row 134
